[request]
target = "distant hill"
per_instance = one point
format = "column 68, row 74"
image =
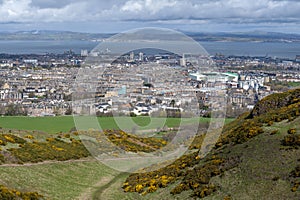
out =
column 256, row 157
column 199, row 36
column 52, row 35
column 246, row 37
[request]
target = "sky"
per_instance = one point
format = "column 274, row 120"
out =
column 111, row 16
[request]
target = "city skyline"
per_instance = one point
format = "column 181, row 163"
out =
column 115, row 16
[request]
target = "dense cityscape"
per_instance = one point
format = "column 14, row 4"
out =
column 42, row 85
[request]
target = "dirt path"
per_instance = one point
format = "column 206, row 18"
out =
column 47, row 162
column 98, row 194
column 88, row 194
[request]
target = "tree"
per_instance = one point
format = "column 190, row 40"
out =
column 172, row 103
column 158, row 101
column 13, row 110
column 69, row 111
column 149, row 85
column 31, row 95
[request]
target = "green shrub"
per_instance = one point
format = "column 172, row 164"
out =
column 11, row 194
column 11, row 138
column 291, row 131
column 51, row 150
column 274, row 132
column 291, row 140
column 132, row 143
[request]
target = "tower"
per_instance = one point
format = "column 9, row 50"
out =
column 131, row 56
column 141, row 56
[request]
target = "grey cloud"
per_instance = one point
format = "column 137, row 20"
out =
column 50, row 3
column 220, row 11
column 217, row 10
column 44, row 4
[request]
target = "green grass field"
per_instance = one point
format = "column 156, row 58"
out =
column 80, row 180
column 76, row 179
column 65, row 123
column 294, row 84
column 61, row 180
column 93, row 180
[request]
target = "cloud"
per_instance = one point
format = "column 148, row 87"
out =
column 154, row 11
column 222, row 10
column 150, row 6
column 50, row 3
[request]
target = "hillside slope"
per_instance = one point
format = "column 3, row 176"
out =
column 256, row 157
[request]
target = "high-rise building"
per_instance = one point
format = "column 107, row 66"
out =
column 84, row 52
column 183, row 61
column 141, row 56
column 131, row 56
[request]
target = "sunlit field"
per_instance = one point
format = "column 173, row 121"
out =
column 66, row 123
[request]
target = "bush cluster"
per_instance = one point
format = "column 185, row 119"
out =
column 275, row 101
column 11, row 194
column 296, row 172
column 295, row 175
column 245, row 127
column 29, row 137
column 197, row 142
column 5, row 138
column 151, row 181
column 132, row 143
column 241, row 133
column 197, row 179
column 51, row 150
column 289, row 112
column 292, row 139
column 193, row 178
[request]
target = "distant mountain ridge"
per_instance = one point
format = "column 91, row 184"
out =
column 199, row 36
column 52, row 35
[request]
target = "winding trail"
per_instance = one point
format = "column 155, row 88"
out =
column 98, row 194
column 46, row 162
column 88, row 194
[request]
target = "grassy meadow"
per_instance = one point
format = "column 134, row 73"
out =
column 65, row 123
column 58, row 180
column 75, row 179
